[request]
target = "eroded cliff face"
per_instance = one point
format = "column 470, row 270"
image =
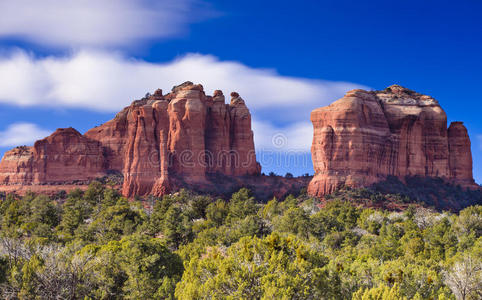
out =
column 57, row 158
column 159, row 143
column 368, row 135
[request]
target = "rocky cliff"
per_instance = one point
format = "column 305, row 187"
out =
column 158, row 143
column 64, row 156
column 368, row 135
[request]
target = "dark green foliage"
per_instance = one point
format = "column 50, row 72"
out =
column 217, row 212
column 432, row 192
column 98, row 245
column 136, row 267
column 428, row 192
column 240, row 205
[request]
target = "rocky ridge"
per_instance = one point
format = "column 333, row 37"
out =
column 158, row 143
column 186, row 138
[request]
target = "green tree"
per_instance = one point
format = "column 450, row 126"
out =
column 275, row 267
column 114, row 221
column 176, row 228
column 241, row 205
column 217, row 212
column 379, row 293
column 294, row 220
column 136, row 267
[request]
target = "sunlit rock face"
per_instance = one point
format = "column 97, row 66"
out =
column 58, row 157
column 366, row 136
column 157, row 143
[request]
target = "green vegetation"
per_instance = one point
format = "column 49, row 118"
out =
column 98, row 245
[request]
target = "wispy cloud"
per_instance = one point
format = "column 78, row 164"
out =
column 108, row 81
column 22, row 134
column 94, row 23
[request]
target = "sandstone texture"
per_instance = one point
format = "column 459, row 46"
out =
column 65, row 156
column 368, row 135
column 158, row 143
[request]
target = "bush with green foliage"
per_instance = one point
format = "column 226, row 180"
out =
column 98, row 245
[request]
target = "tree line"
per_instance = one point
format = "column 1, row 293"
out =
column 98, row 245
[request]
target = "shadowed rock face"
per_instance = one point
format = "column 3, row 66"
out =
column 460, row 160
column 368, row 135
column 157, row 143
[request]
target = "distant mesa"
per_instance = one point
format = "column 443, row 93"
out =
column 366, row 136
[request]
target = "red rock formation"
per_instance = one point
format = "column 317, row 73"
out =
column 65, row 156
column 366, row 136
column 460, row 160
column 16, row 166
column 187, row 116
column 218, row 136
column 158, row 143
column 242, row 139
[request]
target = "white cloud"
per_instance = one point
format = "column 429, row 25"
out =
column 107, row 81
column 296, row 137
column 97, row 23
column 22, row 134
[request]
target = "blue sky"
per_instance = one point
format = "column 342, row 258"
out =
column 76, row 63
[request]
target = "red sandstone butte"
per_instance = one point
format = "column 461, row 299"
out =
column 366, row 136
column 157, row 143
column 64, row 156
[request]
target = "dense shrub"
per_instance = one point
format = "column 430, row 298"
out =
column 98, row 245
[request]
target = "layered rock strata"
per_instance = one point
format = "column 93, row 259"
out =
column 157, row 143
column 368, row 135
